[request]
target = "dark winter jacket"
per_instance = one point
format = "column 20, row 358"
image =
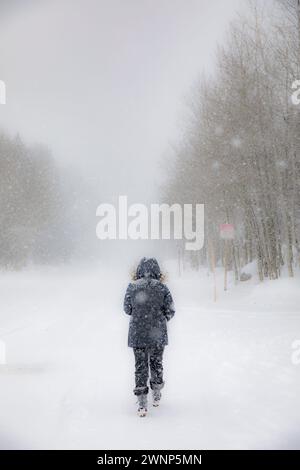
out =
column 150, row 305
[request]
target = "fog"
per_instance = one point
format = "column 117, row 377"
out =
column 104, row 84
column 136, row 98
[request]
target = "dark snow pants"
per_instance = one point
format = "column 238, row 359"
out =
column 143, row 358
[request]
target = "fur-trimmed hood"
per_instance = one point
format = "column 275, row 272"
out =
column 148, row 267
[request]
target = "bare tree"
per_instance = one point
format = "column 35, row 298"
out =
column 241, row 153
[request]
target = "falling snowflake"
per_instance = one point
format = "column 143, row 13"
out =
column 236, row 142
column 219, row 130
column 141, row 297
column 281, row 164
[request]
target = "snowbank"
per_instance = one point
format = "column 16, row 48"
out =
column 230, row 381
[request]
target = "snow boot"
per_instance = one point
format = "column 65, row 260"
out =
column 142, row 408
column 156, row 394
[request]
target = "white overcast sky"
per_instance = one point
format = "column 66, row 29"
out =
column 104, row 82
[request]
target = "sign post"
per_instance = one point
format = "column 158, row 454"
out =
column 213, row 266
column 227, row 233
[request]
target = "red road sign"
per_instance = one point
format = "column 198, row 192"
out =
column 227, row 231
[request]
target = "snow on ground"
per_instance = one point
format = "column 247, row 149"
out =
column 68, row 380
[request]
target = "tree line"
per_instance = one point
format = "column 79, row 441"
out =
column 32, row 206
column 240, row 155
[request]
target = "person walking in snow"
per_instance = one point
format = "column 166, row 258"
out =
column 149, row 303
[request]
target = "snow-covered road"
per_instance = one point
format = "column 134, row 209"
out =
column 68, row 380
